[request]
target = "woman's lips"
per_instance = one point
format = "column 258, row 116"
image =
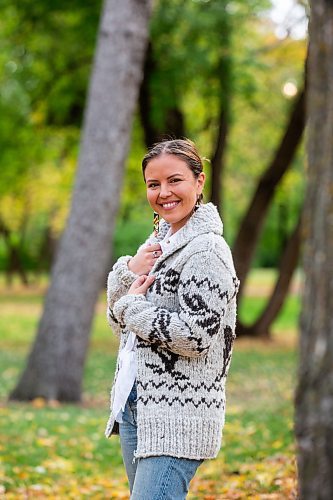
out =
column 170, row 205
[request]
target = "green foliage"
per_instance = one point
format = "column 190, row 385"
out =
column 43, row 88
column 206, row 55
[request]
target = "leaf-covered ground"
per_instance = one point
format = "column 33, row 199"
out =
column 51, row 450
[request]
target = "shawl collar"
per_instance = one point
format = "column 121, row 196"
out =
column 205, row 219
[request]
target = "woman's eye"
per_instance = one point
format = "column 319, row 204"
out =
column 175, row 180
column 152, row 185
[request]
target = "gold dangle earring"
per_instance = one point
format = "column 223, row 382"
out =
column 156, row 223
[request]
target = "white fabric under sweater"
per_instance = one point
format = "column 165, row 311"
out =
column 127, row 358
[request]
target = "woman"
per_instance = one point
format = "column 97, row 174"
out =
column 173, row 305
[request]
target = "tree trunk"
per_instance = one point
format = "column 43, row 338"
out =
column 47, row 251
column 55, row 365
column 217, row 164
column 251, row 226
column 288, row 264
column 15, row 264
column 314, row 395
column 149, row 131
column 174, row 125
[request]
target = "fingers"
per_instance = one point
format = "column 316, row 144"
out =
column 147, row 282
column 139, row 281
column 155, row 250
column 143, row 262
column 141, row 285
column 155, row 246
column 156, row 254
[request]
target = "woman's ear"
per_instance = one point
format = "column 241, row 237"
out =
column 201, row 181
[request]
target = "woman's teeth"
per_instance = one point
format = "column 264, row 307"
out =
column 170, row 205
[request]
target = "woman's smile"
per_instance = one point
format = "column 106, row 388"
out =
column 170, row 205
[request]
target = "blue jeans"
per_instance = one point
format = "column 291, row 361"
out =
column 156, row 477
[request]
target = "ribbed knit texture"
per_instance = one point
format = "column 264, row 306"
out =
column 186, row 327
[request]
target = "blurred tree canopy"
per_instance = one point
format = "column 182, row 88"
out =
column 207, row 61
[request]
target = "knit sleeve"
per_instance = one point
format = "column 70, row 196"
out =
column 119, row 282
column 205, row 288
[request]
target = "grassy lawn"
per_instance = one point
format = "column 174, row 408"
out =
column 59, row 451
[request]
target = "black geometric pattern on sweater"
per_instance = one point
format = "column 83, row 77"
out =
column 167, row 282
column 185, row 386
column 159, row 370
column 235, row 282
column 156, row 286
column 168, row 358
column 171, row 280
column 210, row 320
column 160, row 326
column 198, row 341
column 112, row 316
column 211, row 286
column 146, row 400
column 229, row 338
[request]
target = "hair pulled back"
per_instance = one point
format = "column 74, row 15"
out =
column 184, row 149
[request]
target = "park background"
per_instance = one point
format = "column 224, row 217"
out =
column 229, row 75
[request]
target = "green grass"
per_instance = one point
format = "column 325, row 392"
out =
column 60, row 451
column 251, row 307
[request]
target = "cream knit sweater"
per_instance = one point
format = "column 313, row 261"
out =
column 185, row 327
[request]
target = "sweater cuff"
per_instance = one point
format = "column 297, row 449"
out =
column 119, row 308
column 124, row 275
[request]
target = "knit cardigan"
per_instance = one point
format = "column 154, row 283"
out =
column 185, row 325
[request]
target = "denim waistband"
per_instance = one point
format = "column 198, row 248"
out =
column 133, row 394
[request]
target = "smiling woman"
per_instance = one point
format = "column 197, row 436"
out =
column 173, row 306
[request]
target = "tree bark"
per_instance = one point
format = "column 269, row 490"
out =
column 288, row 264
column 174, row 124
column 217, row 164
column 251, row 226
column 15, row 264
column 314, row 395
column 149, row 131
column 55, row 364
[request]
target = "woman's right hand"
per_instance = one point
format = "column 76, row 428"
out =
column 143, row 262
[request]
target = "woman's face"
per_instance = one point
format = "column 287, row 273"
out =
column 172, row 189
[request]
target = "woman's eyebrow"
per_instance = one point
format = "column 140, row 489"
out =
column 175, row 175
column 169, row 177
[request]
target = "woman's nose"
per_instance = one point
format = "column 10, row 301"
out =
column 164, row 191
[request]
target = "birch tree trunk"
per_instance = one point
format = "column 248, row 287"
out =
column 55, row 365
column 314, row 397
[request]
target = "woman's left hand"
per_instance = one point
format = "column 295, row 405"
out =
column 141, row 285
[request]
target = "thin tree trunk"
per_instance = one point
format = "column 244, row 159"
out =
column 15, row 264
column 251, row 226
column 225, row 73
column 55, row 365
column 217, row 163
column 48, row 249
column 149, row 131
column 174, row 125
column 288, row 264
column 314, row 396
